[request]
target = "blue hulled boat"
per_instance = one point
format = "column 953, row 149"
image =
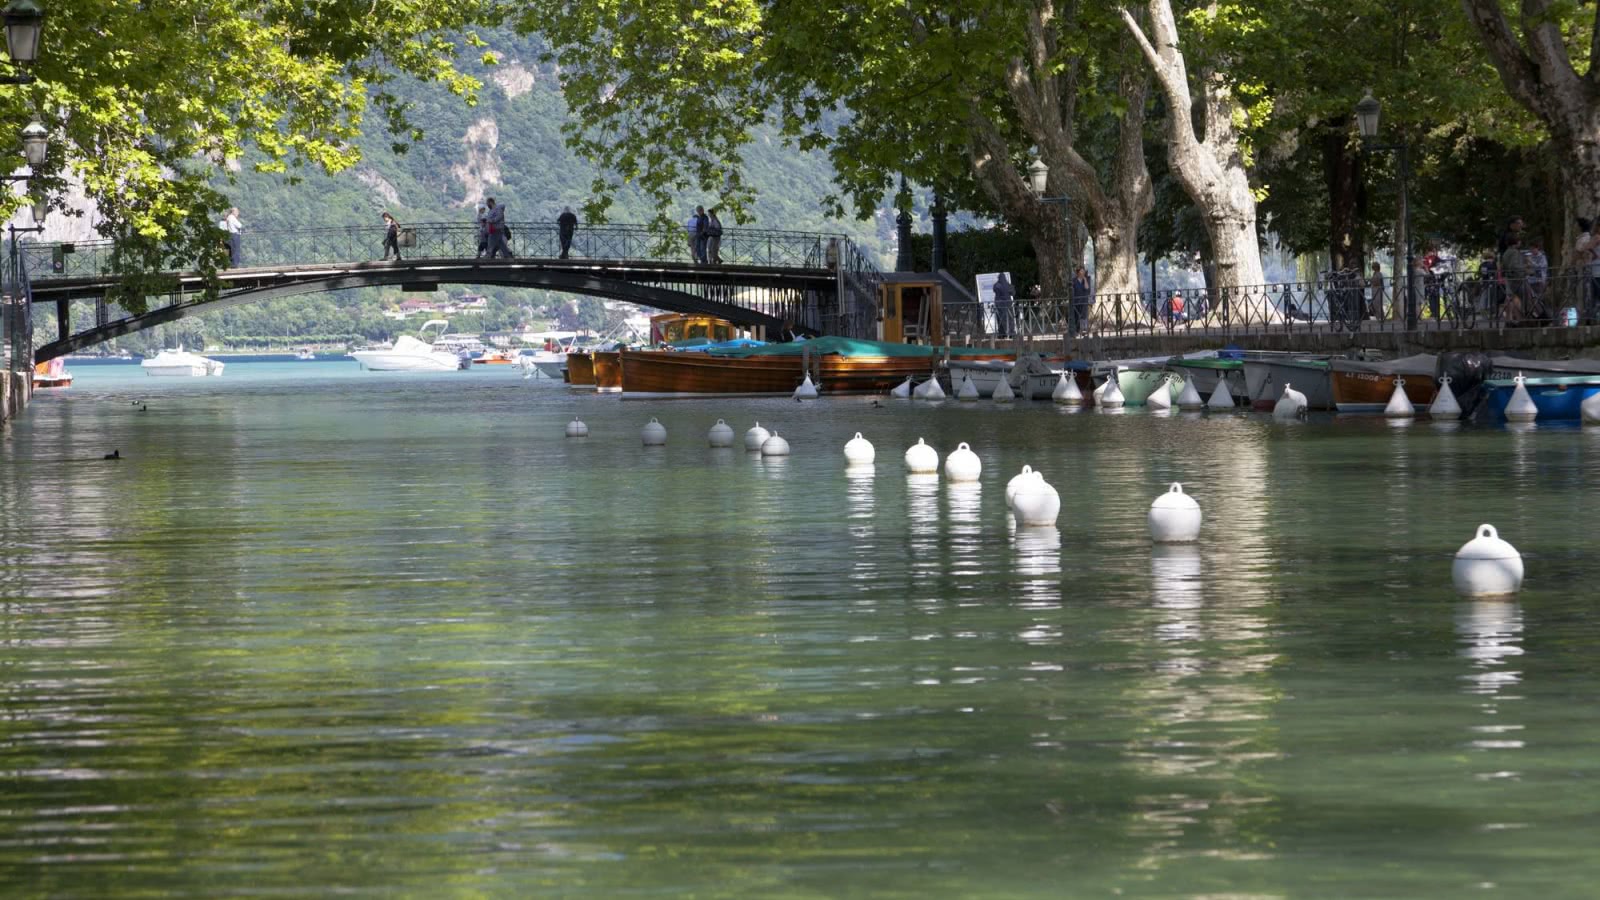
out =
column 1557, row 398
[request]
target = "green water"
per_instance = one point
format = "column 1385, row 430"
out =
column 323, row 631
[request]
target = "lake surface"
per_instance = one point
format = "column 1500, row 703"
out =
column 327, row 631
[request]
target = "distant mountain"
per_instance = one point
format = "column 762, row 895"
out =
column 510, row 147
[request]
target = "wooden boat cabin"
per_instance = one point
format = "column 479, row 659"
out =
column 910, row 309
column 672, row 328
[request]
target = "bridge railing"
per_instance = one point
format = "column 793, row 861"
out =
column 1331, row 305
column 461, row 240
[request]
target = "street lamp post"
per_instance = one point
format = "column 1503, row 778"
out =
column 1367, row 112
column 24, row 21
column 1038, row 183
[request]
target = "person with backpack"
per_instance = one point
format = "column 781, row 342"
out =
column 391, row 236
column 498, row 232
column 713, row 229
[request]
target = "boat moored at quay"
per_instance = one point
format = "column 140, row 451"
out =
column 1366, row 387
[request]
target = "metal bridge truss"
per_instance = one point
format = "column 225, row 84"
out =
column 822, row 283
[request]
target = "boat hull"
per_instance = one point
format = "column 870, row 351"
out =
column 1558, row 399
column 1356, row 391
column 1138, row 384
column 552, row 369
column 656, row 374
column 608, row 372
column 580, row 371
column 1205, row 378
column 384, row 361
column 1264, row 381
column 1508, row 367
column 986, row 375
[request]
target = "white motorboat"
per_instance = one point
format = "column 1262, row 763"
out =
column 551, row 357
column 181, row 362
column 1030, row 376
column 305, row 353
column 407, row 355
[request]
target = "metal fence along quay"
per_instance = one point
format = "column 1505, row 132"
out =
column 1332, row 306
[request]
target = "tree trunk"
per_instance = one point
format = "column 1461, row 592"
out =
column 1117, row 300
column 1211, row 170
column 1580, row 181
column 1343, row 172
column 1537, row 70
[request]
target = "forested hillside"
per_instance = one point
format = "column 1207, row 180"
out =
column 510, row 147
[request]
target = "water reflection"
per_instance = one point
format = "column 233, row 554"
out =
column 1175, row 579
column 965, row 528
column 922, row 514
column 1491, row 640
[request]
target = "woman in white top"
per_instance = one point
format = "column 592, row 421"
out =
column 231, row 224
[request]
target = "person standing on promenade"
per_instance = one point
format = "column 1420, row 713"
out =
column 566, row 224
column 1082, row 291
column 1003, row 295
column 496, row 221
column 391, row 236
column 231, row 224
column 1376, row 283
column 713, row 230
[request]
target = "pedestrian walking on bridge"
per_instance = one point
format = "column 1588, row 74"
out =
column 230, row 223
column 391, row 236
column 713, row 251
column 566, row 224
column 496, row 221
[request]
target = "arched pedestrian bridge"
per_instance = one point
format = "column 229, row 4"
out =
column 821, row 282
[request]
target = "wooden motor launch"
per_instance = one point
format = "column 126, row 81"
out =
column 837, row 365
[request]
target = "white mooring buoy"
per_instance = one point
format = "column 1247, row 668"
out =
column 858, row 451
column 774, row 446
column 1221, row 398
column 1109, row 394
column 962, row 464
column 1036, row 504
column 654, row 433
column 1520, row 407
column 1015, row 484
column 903, row 389
column 930, row 390
column 1399, row 404
column 1002, row 391
column 1487, row 566
column 576, row 428
column 1189, row 397
column 1290, row 405
column 1067, row 392
column 1444, row 404
column 755, row 437
column 1174, row 517
column 720, row 435
column 1161, row 397
column 1589, row 409
column 968, row 391
column 806, row 390
column 922, row 459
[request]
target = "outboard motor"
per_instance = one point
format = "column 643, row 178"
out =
column 1468, row 370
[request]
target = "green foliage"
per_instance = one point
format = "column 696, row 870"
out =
column 145, row 102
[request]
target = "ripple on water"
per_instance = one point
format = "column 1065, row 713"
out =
column 322, row 632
